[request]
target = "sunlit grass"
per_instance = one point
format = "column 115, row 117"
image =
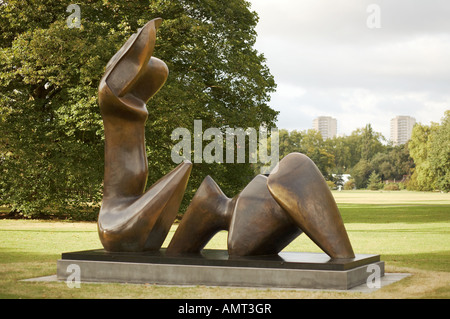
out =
column 410, row 237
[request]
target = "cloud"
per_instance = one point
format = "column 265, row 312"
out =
column 327, row 61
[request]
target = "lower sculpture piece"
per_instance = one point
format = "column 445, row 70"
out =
column 267, row 215
column 259, row 225
column 256, row 224
column 129, row 219
column 299, row 187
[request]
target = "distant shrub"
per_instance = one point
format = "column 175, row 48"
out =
column 331, row 184
column 350, row 184
column 375, row 186
column 391, row 187
column 375, row 182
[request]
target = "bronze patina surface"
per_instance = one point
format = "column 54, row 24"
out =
column 259, row 225
column 208, row 213
column 256, row 224
column 299, row 187
column 131, row 219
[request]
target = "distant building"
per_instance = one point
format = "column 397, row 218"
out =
column 401, row 129
column 326, row 125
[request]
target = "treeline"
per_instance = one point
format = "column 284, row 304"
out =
column 421, row 164
column 430, row 149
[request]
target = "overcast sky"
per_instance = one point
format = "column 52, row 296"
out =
column 339, row 58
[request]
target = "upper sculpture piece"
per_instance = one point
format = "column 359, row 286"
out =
column 129, row 219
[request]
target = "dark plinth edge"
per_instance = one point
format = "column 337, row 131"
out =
column 213, row 257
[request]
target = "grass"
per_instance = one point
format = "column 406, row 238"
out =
column 409, row 230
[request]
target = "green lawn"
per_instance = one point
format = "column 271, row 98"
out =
column 411, row 232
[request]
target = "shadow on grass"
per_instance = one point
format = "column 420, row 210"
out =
column 380, row 214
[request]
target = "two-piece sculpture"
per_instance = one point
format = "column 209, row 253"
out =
column 263, row 219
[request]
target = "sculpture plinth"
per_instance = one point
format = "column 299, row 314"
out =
column 216, row 268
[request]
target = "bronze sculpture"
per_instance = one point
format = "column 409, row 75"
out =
column 263, row 219
column 267, row 215
column 299, row 187
column 256, row 224
column 129, row 219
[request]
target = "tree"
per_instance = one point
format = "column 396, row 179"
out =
column 350, row 184
column 382, row 165
column 52, row 142
column 430, row 149
column 370, row 142
column 424, row 176
column 288, row 142
column 361, row 172
column 315, row 148
column 341, row 148
column 401, row 162
column 440, row 153
column 362, row 143
column 374, row 182
column 311, row 144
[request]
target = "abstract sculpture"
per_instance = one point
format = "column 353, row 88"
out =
column 267, row 215
column 256, row 224
column 299, row 187
column 263, row 219
column 129, row 219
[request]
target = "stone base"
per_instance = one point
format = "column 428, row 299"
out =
column 216, row 268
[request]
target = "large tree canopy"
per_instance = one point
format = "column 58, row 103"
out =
column 51, row 146
column 430, row 149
